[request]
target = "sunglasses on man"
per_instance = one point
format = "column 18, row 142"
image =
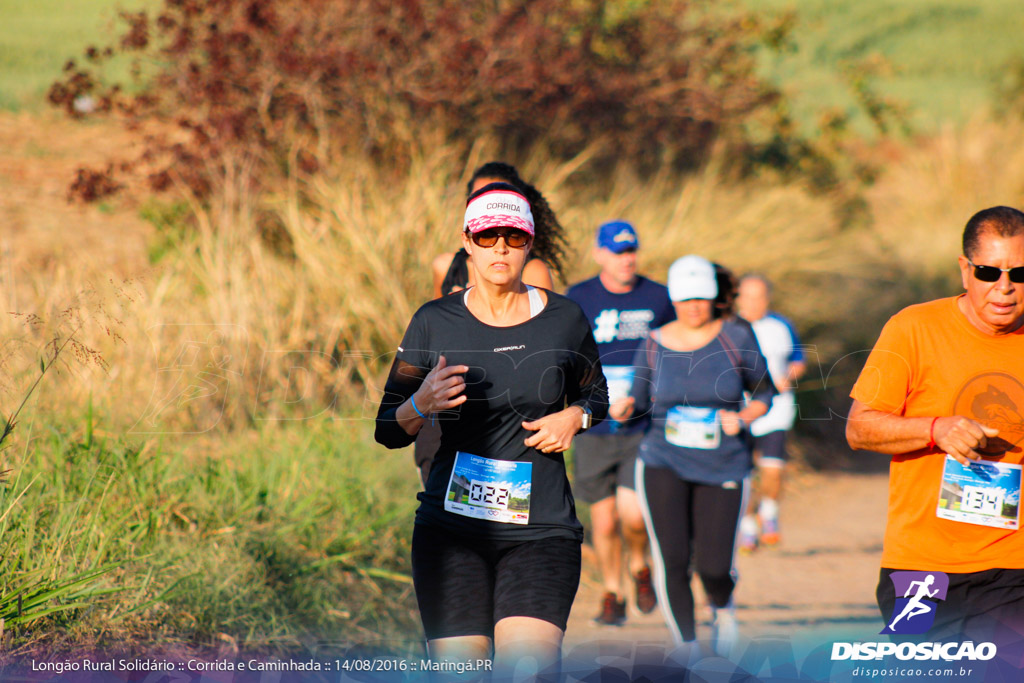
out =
column 514, row 237
column 992, row 273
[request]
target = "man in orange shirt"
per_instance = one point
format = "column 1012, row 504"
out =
column 943, row 392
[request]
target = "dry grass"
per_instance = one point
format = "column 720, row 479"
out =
column 225, row 329
column 927, row 195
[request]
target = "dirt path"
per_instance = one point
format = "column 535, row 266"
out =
column 822, row 575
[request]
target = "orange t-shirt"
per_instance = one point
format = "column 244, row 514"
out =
column 930, row 361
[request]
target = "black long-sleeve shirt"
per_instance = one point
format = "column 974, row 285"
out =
column 501, row 488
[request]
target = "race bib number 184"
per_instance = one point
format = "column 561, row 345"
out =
column 985, row 493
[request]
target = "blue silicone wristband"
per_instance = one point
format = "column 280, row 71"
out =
column 413, row 400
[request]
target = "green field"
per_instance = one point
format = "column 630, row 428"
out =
column 37, row 38
column 943, row 58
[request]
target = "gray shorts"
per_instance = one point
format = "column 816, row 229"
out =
column 603, row 462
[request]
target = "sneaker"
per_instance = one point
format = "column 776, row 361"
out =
column 748, row 534
column 613, row 611
column 646, row 600
column 769, row 531
column 748, row 542
column 724, row 631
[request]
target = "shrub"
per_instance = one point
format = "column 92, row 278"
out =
column 289, row 84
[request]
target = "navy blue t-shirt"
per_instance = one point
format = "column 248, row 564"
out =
column 620, row 323
column 683, row 391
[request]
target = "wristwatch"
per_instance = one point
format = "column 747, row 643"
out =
column 588, row 418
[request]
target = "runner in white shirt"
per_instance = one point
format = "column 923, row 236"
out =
column 779, row 343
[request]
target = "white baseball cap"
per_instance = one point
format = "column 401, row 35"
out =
column 692, row 277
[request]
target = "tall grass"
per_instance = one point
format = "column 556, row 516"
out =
column 313, row 328
column 927, row 197
column 230, row 329
column 284, row 541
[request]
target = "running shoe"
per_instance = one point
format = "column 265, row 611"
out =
column 724, row 631
column 646, row 600
column 748, row 534
column 769, row 531
column 613, row 610
column 748, row 542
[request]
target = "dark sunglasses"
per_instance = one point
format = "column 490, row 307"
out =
column 514, row 237
column 992, row 274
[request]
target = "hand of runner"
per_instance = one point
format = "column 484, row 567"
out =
column 442, row 388
column 554, row 432
column 961, row 437
column 731, row 422
column 621, row 410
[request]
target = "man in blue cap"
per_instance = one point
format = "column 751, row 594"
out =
column 622, row 307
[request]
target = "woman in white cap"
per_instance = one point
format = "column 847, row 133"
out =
column 703, row 380
column 511, row 374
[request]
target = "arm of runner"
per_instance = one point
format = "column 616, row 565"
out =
column 638, row 402
column 733, row 421
column 794, row 371
column 438, row 269
column 442, row 389
column 554, row 432
column 587, row 388
column 537, row 274
column 622, row 410
column 876, row 430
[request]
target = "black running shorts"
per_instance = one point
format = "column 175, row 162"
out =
column 464, row 586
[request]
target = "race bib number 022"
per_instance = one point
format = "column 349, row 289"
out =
column 485, row 488
column 984, row 493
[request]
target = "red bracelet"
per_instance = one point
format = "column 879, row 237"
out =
column 931, row 434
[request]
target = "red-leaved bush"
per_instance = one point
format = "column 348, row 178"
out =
column 291, row 84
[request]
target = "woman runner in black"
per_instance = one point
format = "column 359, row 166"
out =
column 511, row 374
column 453, row 273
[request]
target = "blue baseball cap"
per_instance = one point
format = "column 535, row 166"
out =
column 617, row 236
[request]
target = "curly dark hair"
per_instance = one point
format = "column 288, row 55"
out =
column 549, row 243
column 727, row 286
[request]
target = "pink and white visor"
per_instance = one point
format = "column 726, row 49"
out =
column 498, row 208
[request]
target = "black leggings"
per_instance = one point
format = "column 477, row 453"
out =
column 684, row 520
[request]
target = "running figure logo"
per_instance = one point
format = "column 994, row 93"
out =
column 914, row 613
